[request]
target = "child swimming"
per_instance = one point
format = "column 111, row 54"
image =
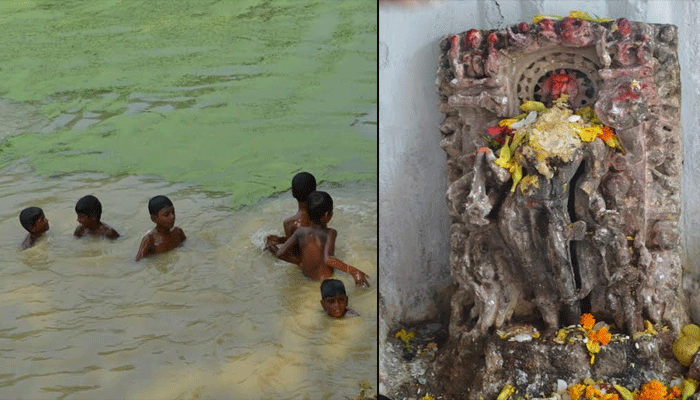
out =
column 34, row 221
column 317, row 243
column 334, row 300
column 89, row 211
column 303, row 184
column 165, row 236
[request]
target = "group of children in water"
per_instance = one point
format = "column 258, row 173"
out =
column 307, row 241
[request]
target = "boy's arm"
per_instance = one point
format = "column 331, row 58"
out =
column 359, row 276
column 284, row 252
column 271, row 242
column 27, row 242
column 288, row 226
column 79, row 231
column 146, row 247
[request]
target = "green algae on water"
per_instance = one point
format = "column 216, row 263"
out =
column 233, row 96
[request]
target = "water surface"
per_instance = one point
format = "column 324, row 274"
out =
column 215, row 318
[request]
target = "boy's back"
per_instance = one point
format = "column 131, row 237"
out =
column 312, row 244
column 316, row 243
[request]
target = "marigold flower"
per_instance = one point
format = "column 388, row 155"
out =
column 576, row 391
column 587, row 321
column 592, row 391
column 674, row 394
column 652, row 390
column 606, row 133
column 603, row 336
column 609, row 396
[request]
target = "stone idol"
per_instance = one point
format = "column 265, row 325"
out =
column 564, row 152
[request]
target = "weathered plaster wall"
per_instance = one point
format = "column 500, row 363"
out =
column 414, row 226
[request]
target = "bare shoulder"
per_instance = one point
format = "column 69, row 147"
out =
column 112, row 233
column 179, row 233
column 148, row 238
column 147, row 245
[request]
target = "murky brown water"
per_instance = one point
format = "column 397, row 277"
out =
column 216, row 318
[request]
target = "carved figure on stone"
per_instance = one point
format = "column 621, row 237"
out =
column 573, row 224
column 576, row 32
column 660, row 290
column 495, row 291
column 535, row 223
column 487, row 184
column 474, row 60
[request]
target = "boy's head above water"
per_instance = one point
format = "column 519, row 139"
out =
column 158, row 203
column 162, row 212
column 303, row 184
column 33, row 220
column 89, row 206
column 333, row 298
column 320, row 203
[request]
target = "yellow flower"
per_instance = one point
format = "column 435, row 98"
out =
column 580, row 15
column 588, row 115
column 508, row 121
column 576, row 391
column 588, row 134
column 539, row 17
column 427, row 397
column 689, row 388
column 404, row 336
column 530, row 105
column 507, row 391
column 584, row 15
column 626, row 394
column 587, row 321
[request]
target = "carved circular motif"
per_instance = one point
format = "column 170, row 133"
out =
column 581, row 67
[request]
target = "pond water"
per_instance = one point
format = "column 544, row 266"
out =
column 215, row 318
column 216, row 104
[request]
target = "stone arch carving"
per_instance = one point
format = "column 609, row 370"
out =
column 528, row 82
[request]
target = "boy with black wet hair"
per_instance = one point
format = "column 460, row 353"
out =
column 334, row 300
column 89, row 210
column 303, row 184
column 165, row 236
column 34, row 221
column 317, row 243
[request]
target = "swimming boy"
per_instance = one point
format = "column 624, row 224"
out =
column 334, row 300
column 89, row 211
column 34, row 221
column 165, row 236
column 303, row 184
column 317, row 243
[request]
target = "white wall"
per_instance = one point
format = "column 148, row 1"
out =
column 414, row 226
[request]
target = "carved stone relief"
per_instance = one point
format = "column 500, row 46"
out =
column 593, row 229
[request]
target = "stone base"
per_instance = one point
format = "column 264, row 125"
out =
column 481, row 368
column 535, row 367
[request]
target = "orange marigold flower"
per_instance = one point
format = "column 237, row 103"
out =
column 610, row 396
column 675, row 393
column 608, row 133
column 587, row 321
column 592, row 391
column 652, row 390
column 603, row 336
column 576, row 391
